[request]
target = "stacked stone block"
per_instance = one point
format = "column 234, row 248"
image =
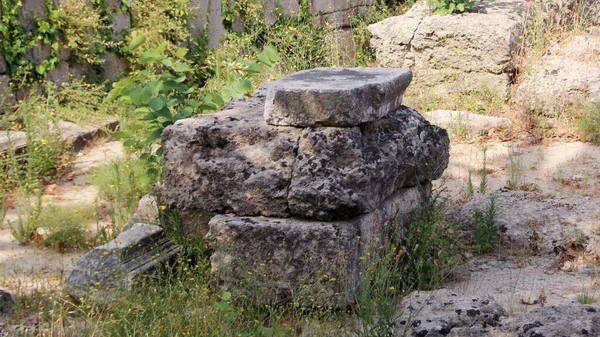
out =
column 306, row 175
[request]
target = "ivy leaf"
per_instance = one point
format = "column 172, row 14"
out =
column 181, row 52
column 154, row 135
column 242, row 86
column 40, row 69
column 272, row 53
column 156, row 103
column 181, row 67
column 167, row 62
column 262, row 57
column 149, row 56
column 136, row 42
column 254, row 67
column 122, row 134
column 226, row 296
column 460, row 7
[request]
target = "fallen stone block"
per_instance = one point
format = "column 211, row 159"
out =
column 335, row 96
column 15, row 140
column 112, row 268
column 312, row 262
column 6, row 302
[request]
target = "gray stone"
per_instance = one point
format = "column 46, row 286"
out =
column 473, row 123
column 121, row 21
column 6, row 302
column 29, row 10
column 476, row 49
column 343, row 172
column 335, row 96
column 7, row 97
column 59, row 75
column 562, row 13
column 107, row 270
column 316, row 263
column 147, row 211
column 16, row 140
column 232, row 161
column 554, row 82
column 114, row 66
column 273, row 7
column 207, row 13
column 335, row 13
column 3, row 67
column 78, row 136
column 39, row 52
column 83, row 71
column 556, row 321
column 444, row 313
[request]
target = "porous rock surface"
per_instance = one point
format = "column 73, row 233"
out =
column 107, row 270
column 335, row 96
column 444, row 313
column 574, row 320
column 453, row 53
column 233, row 161
column 282, row 255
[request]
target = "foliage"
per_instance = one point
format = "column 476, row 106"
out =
column 66, row 227
column 589, row 124
column 485, row 233
column 483, row 183
column 444, row 7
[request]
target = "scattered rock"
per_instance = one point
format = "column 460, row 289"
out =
column 473, row 123
column 528, row 297
column 17, row 140
column 6, row 302
column 444, row 313
column 335, row 96
column 109, row 269
column 314, row 262
column 147, row 211
column 6, row 95
column 114, row 67
column 78, row 136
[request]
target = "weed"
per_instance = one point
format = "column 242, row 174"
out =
column 586, row 298
column 516, row 168
column 67, row 227
column 468, row 190
column 483, row 184
column 588, row 124
column 485, row 232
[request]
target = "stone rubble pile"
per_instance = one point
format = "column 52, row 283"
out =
column 305, row 177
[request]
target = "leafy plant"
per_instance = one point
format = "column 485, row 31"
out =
column 483, row 184
column 589, row 124
column 444, row 7
column 485, row 233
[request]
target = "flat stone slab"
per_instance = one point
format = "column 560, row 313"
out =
column 335, row 96
column 109, row 269
column 315, row 262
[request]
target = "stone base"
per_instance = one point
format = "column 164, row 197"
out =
column 313, row 263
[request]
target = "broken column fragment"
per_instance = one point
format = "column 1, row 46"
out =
column 323, row 156
column 107, row 270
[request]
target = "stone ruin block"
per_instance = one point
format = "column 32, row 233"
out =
column 107, row 270
column 233, row 161
column 348, row 161
column 309, row 261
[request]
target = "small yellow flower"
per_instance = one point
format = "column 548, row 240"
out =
column 163, row 207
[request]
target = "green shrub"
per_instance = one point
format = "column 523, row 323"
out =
column 485, row 232
column 444, row 7
column 589, row 124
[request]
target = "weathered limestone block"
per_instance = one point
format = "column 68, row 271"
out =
column 230, row 161
column 344, row 172
column 306, row 260
column 29, row 10
column 557, row 81
column 335, row 96
column 109, row 269
column 555, row 321
column 477, row 46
